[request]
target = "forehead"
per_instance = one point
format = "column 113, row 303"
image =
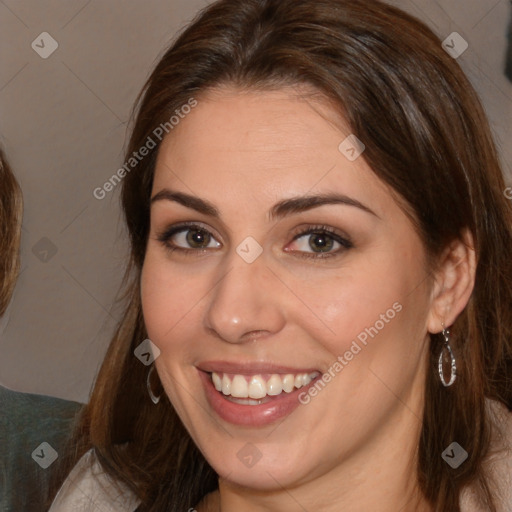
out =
column 262, row 145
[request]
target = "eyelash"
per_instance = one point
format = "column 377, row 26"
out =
column 345, row 242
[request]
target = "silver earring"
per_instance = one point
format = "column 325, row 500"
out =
column 453, row 366
column 155, row 399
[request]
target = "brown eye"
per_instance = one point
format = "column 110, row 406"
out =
column 320, row 242
column 188, row 238
column 198, row 238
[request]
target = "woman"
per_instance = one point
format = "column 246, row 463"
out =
column 321, row 260
column 11, row 208
column 26, row 420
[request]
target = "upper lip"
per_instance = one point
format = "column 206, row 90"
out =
column 250, row 368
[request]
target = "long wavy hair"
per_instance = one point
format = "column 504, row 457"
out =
column 11, row 213
column 426, row 136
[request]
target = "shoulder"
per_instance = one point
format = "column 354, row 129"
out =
column 24, row 407
column 500, row 458
column 498, row 462
column 26, row 421
column 89, row 489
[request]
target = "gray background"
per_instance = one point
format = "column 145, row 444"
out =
column 63, row 124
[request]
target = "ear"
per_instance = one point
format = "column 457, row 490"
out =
column 454, row 281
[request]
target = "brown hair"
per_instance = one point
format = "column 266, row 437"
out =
column 11, row 212
column 426, row 136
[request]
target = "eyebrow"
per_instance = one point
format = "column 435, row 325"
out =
column 279, row 210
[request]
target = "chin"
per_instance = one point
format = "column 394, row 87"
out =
column 260, row 467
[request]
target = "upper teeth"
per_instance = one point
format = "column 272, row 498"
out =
column 255, row 386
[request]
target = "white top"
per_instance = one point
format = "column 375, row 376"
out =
column 89, row 489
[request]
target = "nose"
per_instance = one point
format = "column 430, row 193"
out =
column 245, row 304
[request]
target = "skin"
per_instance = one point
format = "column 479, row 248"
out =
column 353, row 446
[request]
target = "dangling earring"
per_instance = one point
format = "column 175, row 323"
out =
column 453, row 366
column 155, row 399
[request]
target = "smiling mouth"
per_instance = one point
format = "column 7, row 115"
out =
column 259, row 388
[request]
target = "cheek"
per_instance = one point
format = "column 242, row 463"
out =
column 371, row 312
column 343, row 302
column 168, row 300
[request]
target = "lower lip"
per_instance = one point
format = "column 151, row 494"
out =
column 251, row 415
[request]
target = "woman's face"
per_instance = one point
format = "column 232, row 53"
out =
column 276, row 257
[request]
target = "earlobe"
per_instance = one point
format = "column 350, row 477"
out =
column 453, row 284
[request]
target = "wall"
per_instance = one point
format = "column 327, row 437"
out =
column 64, row 127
